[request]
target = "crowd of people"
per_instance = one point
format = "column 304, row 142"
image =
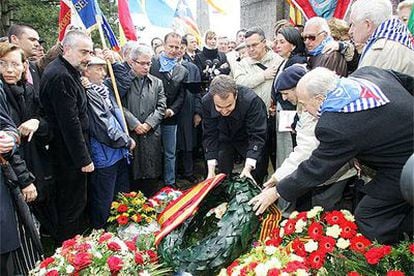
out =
column 329, row 104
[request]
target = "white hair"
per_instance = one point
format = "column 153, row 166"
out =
column 138, row 50
column 127, row 48
column 319, row 81
column 72, row 38
column 405, row 4
column 377, row 11
column 320, row 22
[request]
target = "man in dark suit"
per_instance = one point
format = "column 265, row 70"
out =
column 234, row 120
column 368, row 116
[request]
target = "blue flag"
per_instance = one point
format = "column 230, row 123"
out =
column 87, row 11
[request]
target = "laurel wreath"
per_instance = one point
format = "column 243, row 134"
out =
column 202, row 246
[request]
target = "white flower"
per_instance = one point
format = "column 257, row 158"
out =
column 300, row 224
column 284, row 274
column 261, row 270
column 70, row 269
column 333, row 231
column 314, row 212
column 348, row 215
column 311, row 246
column 274, row 263
column 270, row 250
column 301, row 272
column 293, row 214
column 343, row 243
column 144, row 273
column 283, row 223
column 281, row 232
column 294, row 257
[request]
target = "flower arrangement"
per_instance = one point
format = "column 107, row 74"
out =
column 328, row 243
column 100, row 253
column 161, row 199
column 131, row 207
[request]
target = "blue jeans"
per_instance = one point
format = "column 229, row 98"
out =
column 169, row 141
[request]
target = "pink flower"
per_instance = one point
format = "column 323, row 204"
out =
column 81, row 261
column 139, row 259
column 114, row 263
column 68, row 243
column 152, row 255
column 53, row 272
column 272, row 272
column 46, row 262
column 114, row 246
column 293, row 266
column 104, row 237
column 131, row 245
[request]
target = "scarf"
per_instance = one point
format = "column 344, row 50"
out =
column 353, row 95
column 392, row 29
column 318, row 50
column 167, row 64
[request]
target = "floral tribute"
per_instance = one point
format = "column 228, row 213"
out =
column 161, row 199
column 323, row 243
column 131, row 207
column 101, row 253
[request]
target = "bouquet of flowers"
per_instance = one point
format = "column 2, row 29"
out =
column 101, row 253
column 161, row 199
column 131, row 207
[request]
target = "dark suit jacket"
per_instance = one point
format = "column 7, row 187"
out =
column 34, row 70
column 246, row 124
column 174, row 87
column 380, row 138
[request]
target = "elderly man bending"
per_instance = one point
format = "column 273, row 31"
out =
column 368, row 116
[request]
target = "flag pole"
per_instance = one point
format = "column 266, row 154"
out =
column 111, row 73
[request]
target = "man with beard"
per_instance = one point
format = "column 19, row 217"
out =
column 64, row 101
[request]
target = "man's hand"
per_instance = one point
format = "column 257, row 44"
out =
column 211, row 171
column 270, row 73
column 196, row 120
column 133, row 145
column 85, row 82
column 88, row 168
column 28, row 128
column 108, row 55
column 271, row 182
column 168, row 113
column 29, row 193
column 246, row 172
column 142, row 129
column 263, row 200
column 331, row 47
column 6, row 142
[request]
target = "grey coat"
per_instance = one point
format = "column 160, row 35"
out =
column 146, row 103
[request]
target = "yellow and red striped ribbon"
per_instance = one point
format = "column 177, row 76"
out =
column 270, row 222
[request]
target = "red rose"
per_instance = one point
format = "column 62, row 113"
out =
column 293, row 266
column 334, row 217
column 114, row 263
column 353, row 273
column 272, row 272
column 131, row 245
column 53, row 272
column 229, row 270
column 82, row 247
column 411, row 248
column 243, row 271
column 139, row 259
column 316, row 259
column 375, row 254
column 327, row 244
column 122, row 220
column 359, row 244
column 81, row 261
column 46, row 262
column 122, row 208
column 298, row 247
column 315, row 231
column 290, row 226
column 114, row 246
column 348, row 229
column 152, row 255
column 68, row 243
column 395, row 273
column 104, row 237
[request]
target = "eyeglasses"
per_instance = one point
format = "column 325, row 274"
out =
column 142, row 63
column 312, row 37
column 14, row 65
column 254, row 45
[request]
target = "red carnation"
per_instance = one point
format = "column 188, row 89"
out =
column 359, row 244
column 327, row 244
column 298, row 247
column 395, row 273
column 316, row 259
column 131, row 245
column 114, row 263
column 114, row 246
column 273, row 242
column 252, row 266
column 46, row 262
column 411, row 248
column 104, row 237
column 82, row 247
column 273, row 272
column 375, row 254
column 53, row 272
column 348, row 229
column 122, row 208
column 81, row 261
column 152, row 255
column 334, row 217
column 293, row 266
column 229, row 270
column 302, row 215
column 353, row 273
column 68, row 243
column 122, row 220
column 315, row 230
column 139, row 259
column 290, row 226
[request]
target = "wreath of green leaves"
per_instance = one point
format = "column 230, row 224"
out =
column 202, row 246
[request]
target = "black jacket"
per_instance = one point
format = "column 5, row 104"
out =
column 380, row 138
column 246, row 124
column 64, row 101
column 174, row 87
